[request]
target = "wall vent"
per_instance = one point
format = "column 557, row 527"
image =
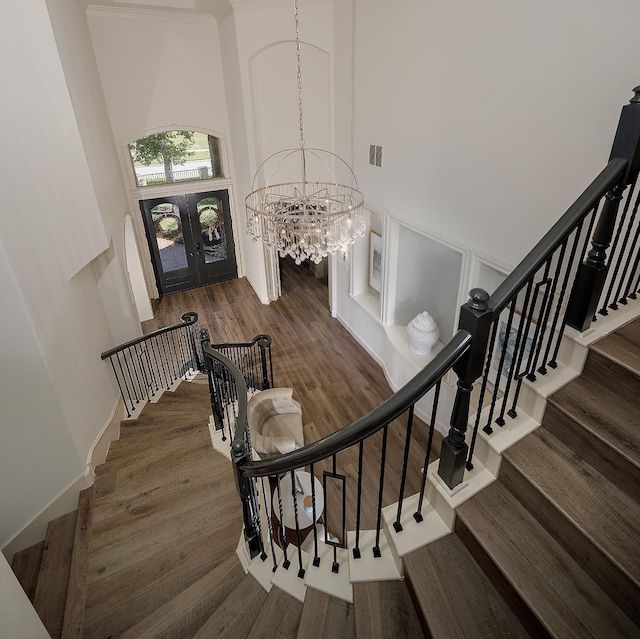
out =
column 375, row 155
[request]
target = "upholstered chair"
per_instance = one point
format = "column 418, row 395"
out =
column 275, row 422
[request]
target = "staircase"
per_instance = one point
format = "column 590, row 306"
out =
column 549, row 549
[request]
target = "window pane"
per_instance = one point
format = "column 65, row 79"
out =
column 176, row 156
column 168, row 229
column 212, row 228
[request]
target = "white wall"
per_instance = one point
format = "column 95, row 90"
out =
column 67, row 298
column 493, row 116
column 254, row 267
column 159, row 73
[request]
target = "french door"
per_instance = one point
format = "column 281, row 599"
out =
column 191, row 239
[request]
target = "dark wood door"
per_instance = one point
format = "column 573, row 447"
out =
column 191, row 239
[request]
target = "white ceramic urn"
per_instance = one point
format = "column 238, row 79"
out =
column 423, row 334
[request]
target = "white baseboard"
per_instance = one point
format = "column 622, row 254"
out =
column 67, row 500
column 36, row 530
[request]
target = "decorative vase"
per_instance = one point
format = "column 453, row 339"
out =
column 423, row 334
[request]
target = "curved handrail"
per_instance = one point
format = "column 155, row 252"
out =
column 263, row 337
column 187, row 320
column 556, row 235
column 367, row 425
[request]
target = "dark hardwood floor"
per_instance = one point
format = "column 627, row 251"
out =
column 333, row 377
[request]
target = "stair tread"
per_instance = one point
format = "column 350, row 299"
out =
column 185, row 613
column 565, row 600
column 622, row 347
column 326, row 616
column 53, row 578
column 607, row 517
column 384, row 610
column 606, row 415
column 26, row 566
column 137, row 604
column 237, row 613
column 279, row 617
column 456, row 598
column 77, row 587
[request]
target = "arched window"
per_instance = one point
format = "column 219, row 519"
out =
column 176, row 156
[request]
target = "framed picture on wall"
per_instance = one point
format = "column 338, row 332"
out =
column 375, row 261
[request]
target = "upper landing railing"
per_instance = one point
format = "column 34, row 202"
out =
column 147, row 364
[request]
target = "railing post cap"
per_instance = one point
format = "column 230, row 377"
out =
column 237, row 448
column 478, row 299
column 636, row 95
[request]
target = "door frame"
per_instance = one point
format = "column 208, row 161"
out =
column 137, row 193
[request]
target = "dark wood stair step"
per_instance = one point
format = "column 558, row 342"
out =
column 455, row 598
column 326, row 616
column 279, row 617
column 601, row 427
column 183, row 615
column 157, row 478
column 550, row 592
column 53, row 578
column 135, row 455
column 26, row 566
column 237, row 613
column 384, row 610
column 77, row 587
column 593, row 520
column 614, row 362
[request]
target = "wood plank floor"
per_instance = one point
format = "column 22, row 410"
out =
column 333, row 377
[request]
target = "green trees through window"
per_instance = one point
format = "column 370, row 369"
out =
column 176, row 156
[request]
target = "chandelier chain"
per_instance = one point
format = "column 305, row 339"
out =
column 299, row 68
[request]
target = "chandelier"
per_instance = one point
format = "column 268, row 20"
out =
column 308, row 218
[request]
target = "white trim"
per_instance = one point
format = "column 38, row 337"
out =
column 35, row 530
column 159, row 15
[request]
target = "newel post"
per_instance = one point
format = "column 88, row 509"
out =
column 475, row 317
column 207, row 368
column 264, row 343
column 592, row 273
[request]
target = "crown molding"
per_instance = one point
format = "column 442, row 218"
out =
column 248, row 5
column 158, row 15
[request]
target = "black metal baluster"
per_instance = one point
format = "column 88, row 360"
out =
column 483, row 388
column 268, row 508
column 405, row 461
column 152, row 367
column 383, row 459
column 614, row 305
column 554, row 359
column 500, row 419
column 316, row 557
column 119, row 386
column 283, row 537
column 521, row 345
column 166, row 364
column 542, row 369
column 133, row 386
column 536, row 342
column 295, row 517
column 143, row 373
column 418, row 514
column 356, row 548
column 630, row 257
column 185, row 358
column 162, row 371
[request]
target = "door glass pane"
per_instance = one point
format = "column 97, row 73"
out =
column 212, row 229
column 168, row 229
